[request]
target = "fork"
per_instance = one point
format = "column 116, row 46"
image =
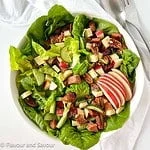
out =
column 131, row 12
column 123, row 11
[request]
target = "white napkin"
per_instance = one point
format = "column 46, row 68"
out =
column 22, row 13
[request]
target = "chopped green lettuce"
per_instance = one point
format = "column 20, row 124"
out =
column 82, row 139
column 117, row 121
column 50, row 101
column 39, row 76
column 39, row 96
column 63, row 119
column 72, row 44
column 81, row 68
column 45, row 54
column 38, row 48
column 70, row 51
column 79, row 24
column 129, row 64
column 53, row 51
column 77, row 88
column 58, row 16
column 28, row 83
column 18, row 61
column 26, row 46
column 48, row 70
column 44, row 26
column 37, row 29
column 32, row 114
column 106, row 26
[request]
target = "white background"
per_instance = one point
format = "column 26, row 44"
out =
column 143, row 141
column 10, row 133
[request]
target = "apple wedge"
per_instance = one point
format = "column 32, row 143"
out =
column 110, row 94
column 117, row 83
column 121, row 74
column 115, row 88
column 124, row 83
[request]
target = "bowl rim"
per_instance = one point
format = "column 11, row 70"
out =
column 137, row 89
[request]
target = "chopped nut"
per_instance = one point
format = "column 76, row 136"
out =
column 109, row 109
column 74, row 79
column 88, row 78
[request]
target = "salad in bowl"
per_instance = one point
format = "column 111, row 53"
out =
column 75, row 76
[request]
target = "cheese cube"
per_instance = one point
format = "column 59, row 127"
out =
column 106, row 41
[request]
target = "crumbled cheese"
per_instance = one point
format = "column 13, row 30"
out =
column 56, row 68
column 52, row 86
column 39, row 60
column 26, row 94
column 88, row 32
column 67, row 33
column 93, row 74
column 106, row 41
column 93, row 58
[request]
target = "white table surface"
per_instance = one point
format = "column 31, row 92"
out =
column 15, row 119
column 143, row 141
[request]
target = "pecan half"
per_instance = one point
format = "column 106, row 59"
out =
column 88, row 78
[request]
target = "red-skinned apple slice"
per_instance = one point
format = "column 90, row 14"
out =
column 113, row 87
column 124, row 83
column 114, row 91
column 117, row 83
column 121, row 74
column 111, row 96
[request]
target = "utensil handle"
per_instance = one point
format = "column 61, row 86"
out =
column 145, row 61
column 146, row 42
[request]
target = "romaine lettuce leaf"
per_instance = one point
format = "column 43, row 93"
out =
column 106, row 26
column 53, row 51
column 48, row 70
column 84, row 52
column 79, row 24
column 70, row 51
column 19, row 77
column 37, row 29
column 26, row 47
column 60, row 86
column 39, row 96
column 82, row 89
column 81, row 68
column 75, row 59
column 81, row 139
column 51, row 132
column 117, row 121
column 37, row 118
column 41, row 29
column 50, row 101
column 28, row 83
column 18, row 61
column 129, row 64
column 39, row 76
column 45, row 54
column 72, row 44
column 32, row 114
column 38, row 48
column 58, row 16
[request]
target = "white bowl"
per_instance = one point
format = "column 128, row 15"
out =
column 137, row 91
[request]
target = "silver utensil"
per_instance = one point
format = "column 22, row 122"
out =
column 131, row 12
column 126, row 14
